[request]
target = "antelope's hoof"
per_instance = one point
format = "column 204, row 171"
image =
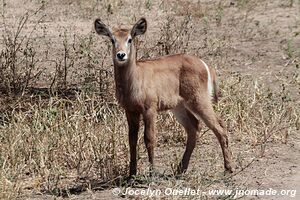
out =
column 228, row 170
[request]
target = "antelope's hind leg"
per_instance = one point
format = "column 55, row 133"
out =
column 150, row 134
column 203, row 107
column 191, row 126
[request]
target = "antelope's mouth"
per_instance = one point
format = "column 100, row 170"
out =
column 121, row 60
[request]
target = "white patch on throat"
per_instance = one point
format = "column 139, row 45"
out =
column 209, row 81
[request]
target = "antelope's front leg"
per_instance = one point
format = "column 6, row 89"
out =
column 149, row 134
column 133, row 120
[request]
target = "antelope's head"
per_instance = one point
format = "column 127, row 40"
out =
column 122, row 39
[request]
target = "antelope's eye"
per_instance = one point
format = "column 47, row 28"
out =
column 129, row 40
column 112, row 41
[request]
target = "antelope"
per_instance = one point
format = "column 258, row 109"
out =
column 181, row 83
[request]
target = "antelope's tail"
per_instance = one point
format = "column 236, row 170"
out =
column 216, row 91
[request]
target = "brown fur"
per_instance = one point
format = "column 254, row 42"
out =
column 175, row 82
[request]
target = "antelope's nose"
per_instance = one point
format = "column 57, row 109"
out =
column 121, row 55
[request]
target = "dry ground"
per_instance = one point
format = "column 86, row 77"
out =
column 75, row 145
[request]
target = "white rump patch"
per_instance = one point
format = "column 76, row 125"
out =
column 209, row 81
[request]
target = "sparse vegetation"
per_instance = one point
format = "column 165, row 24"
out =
column 61, row 129
column 19, row 63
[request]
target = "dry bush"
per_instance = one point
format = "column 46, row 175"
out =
column 19, row 63
column 60, row 139
column 78, row 66
column 175, row 37
column 26, row 64
column 258, row 114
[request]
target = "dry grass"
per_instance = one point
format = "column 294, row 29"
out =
column 70, row 131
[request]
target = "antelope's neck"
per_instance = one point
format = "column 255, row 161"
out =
column 125, row 78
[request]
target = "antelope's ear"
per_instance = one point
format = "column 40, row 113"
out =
column 139, row 28
column 102, row 29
